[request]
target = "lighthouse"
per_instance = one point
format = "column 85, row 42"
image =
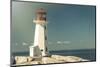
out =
column 39, row 48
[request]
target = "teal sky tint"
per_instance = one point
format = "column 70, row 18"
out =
column 69, row 26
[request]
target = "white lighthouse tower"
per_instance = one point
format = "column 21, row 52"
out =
column 40, row 39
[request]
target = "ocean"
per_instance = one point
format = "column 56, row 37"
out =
column 89, row 54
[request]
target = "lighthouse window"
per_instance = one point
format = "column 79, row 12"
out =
column 45, row 38
column 46, row 49
column 41, row 49
column 45, row 27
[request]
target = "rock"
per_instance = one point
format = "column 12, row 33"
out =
column 23, row 59
column 58, row 57
column 35, row 62
column 20, row 59
column 30, row 59
column 47, row 60
column 67, row 58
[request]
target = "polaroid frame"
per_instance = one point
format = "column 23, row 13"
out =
column 58, row 4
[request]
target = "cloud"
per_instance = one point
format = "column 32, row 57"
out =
column 59, row 42
column 66, row 42
column 63, row 42
column 24, row 44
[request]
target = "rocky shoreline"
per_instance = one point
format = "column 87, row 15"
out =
column 27, row 60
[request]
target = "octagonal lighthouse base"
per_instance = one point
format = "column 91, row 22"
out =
column 36, row 52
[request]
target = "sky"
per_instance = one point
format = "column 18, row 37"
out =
column 70, row 27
